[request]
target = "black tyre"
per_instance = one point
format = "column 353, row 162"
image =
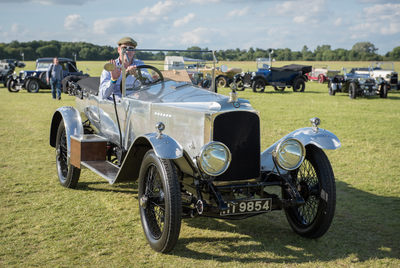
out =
column 258, row 85
column 11, row 86
column 240, row 85
column 280, row 89
column 32, row 86
column 315, row 181
column 159, row 202
column 299, row 85
column 383, row 91
column 331, row 91
column 222, row 81
column 68, row 175
column 352, row 90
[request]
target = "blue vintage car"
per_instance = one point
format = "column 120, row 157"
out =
column 292, row 75
column 34, row 80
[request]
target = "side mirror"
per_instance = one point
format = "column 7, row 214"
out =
column 224, row 68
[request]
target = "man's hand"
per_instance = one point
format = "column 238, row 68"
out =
column 116, row 72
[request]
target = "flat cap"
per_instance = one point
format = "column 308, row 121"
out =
column 127, row 41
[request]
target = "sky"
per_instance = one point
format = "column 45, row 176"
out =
column 215, row 24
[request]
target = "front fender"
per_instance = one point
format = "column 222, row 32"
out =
column 164, row 147
column 72, row 122
column 322, row 138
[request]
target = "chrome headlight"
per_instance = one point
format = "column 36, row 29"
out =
column 289, row 154
column 214, row 158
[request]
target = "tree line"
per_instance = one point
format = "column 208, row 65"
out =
column 361, row 51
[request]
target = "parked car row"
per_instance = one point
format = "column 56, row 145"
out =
column 34, row 80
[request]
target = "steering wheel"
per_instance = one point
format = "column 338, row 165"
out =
column 147, row 80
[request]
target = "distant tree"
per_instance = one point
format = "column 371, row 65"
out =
column 47, row 51
column 395, row 54
column 306, row 54
column 366, row 47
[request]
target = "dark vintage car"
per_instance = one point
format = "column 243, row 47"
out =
column 358, row 82
column 7, row 67
column 292, row 75
column 193, row 152
column 32, row 81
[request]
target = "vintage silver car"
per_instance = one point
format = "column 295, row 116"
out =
column 193, row 152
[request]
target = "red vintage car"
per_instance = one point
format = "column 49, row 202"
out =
column 321, row 74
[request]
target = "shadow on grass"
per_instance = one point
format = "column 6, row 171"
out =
column 104, row 186
column 365, row 228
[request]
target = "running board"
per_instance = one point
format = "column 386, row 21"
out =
column 105, row 169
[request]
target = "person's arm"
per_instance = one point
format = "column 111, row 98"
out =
column 107, row 87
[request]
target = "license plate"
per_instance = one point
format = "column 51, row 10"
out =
column 247, row 206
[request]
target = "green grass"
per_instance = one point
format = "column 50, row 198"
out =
column 98, row 225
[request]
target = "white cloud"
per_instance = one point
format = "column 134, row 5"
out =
column 239, row 12
column 378, row 19
column 155, row 13
column 338, row 21
column 202, row 36
column 184, row 20
column 73, row 22
column 300, row 19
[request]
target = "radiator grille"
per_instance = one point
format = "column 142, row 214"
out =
column 240, row 131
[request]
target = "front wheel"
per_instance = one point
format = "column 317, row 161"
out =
column 383, row 91
column 159, row 202
column 12, row 86
column 315, row 182
column 258, row 85
column 352, row 90
column 239, row 85
column 222, row 81
column 68, row 175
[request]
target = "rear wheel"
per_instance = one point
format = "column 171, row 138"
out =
column 159, row 202
column 299, row 85
column 32, row 86
column 352, row 90
column 258, row 85
column 68, row 175
column 315, row 182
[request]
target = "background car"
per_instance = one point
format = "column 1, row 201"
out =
column 358, row 82
column 292, row 75
column 321, row 74
column 193, row 153
column 32, row 81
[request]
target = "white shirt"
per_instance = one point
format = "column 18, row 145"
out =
column 107, row 88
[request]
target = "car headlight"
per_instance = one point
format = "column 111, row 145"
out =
column 289, row 154
column 214, row 158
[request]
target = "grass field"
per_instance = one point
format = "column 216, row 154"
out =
column 98, row 225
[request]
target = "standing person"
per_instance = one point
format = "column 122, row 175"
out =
column 110, row 82
column 54, row 75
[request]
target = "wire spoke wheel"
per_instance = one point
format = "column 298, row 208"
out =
column 159, row 202
column 68, row 175
column 315, row 182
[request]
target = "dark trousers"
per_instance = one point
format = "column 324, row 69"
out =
column 55, row 88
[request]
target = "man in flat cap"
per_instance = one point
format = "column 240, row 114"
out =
column 110, row 81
